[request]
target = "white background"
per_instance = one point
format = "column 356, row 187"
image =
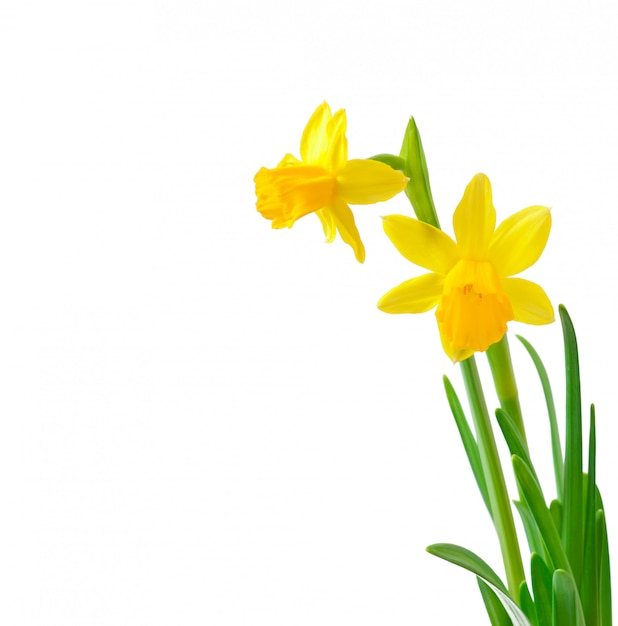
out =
column 205, row 421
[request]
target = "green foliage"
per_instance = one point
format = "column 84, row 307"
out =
column 566, row 606
column 469, row 442
column 475, row 564
column 573, row 523
column 495, row 609
column 468, row 560
column 570, row 581
column 556, row 448
column 418, row 189
column 527, row 604
column 534, row 498
column 542, row 589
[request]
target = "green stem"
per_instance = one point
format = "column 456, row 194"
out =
column 499, row 357
column 498, row 496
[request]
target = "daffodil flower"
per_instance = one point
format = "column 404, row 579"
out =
column 324, row 182
column 471, row 282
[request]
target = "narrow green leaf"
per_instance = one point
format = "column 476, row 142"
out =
column 418, row 189
column 573, row 523
column 527, row 604
column 518, row 617
column 468, row 560
column 589, row 584
column 556, row 447
column 542, row 589
column 513, row 438
column 535, row 541
column 566, row 607
column 605, row 587
column 468, row 440
column 534, row 498
column 555, row 508
column 495, row 610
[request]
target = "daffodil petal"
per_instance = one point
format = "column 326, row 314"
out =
column 344, row 220
column 365, row 182
column 530, row 303
column 314, row 142
column 288, row 160
column 328, row 223
column 475, row 219
column 519, row 240
column 416, row 295
column 337, row 153
column 421, row 243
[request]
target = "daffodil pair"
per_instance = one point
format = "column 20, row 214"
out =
column 470, row 280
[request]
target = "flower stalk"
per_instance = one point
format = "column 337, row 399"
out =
column 496, row 486
column 499, row 358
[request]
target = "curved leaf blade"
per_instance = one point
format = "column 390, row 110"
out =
column 566, row 606
column 534, row 498
column 468, row 560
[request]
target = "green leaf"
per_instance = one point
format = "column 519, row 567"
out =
column 605, row 587
column 468, row 560
column 468, row 440
column 475, row 564
column 535, row 541
column 527, row 604
column 518, row 617
column 566, row 607
column 589, row 584
column 542, row 589
column 551, row 411
column 418, row 189
column 534, row 498
column 513, row 438
column 555, row 508
column 573, row 522
column 495, row 610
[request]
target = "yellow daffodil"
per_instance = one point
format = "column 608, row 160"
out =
column 324, row 182
column 471, row 282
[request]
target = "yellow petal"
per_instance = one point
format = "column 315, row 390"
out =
column 328, row 223
column 314, row 142
column 530, row 303
column 337, row 152
column 344, row 220
column 519, row 240
column 285, row 194
column 288, row 160
column 421, row 243
column 365, row 182
column 475, row 219
column 413, row 296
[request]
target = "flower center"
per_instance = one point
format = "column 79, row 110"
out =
column 286, row 194
column 473, row 310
